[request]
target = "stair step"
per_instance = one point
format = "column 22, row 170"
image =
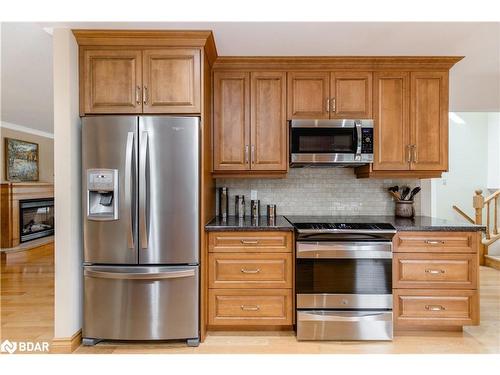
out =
column 492, row 261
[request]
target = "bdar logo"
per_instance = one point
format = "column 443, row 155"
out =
column 8, row 347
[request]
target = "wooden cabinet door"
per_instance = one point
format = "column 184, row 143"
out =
column 308, row 95
column 231, row 121
column 172, row 82
column 351, row 95
column 112, row 81
column 429, row 120
column 268, row 121
column 392, row 122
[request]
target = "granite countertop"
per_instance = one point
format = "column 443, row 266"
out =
column 233, row 223
column 418, row 223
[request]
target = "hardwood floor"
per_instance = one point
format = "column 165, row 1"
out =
column 27, row 299
column 27, row 295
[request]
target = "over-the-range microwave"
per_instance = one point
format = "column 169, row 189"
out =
column 331, row 142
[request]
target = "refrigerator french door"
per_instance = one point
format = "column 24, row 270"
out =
column 141, row 233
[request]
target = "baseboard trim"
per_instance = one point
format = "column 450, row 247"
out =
column 67, row 345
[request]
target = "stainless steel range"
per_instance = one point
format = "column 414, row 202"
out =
column 343, row 280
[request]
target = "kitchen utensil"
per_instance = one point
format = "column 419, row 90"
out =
column 394, row 191
column 414, row 192
column 405, row 192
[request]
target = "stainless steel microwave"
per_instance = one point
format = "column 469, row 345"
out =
column 331, row 142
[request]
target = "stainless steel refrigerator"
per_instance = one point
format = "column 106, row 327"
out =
column 141, row 228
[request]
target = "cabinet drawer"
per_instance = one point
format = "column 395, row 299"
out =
column 256, row 242
column 439, row 242
column 417, row 270
column 250, row 307
column 435, row 307
column 233, row 270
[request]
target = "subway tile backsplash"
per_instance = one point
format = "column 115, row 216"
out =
column 320, row 191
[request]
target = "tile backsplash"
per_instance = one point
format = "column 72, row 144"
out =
column 319, row 191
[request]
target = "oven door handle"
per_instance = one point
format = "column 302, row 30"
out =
column 336, row 250
column 351, row 316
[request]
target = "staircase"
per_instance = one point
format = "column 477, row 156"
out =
column 491, row 236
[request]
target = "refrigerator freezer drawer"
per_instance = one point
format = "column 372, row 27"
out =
column 344, row 325
column 141, row 303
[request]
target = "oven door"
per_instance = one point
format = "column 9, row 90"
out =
column 338, row 268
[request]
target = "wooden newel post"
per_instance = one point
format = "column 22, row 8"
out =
column 478, row 203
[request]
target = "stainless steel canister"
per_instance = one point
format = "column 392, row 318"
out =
column 255, row 208
column 239, row 205
column 223, row 202
column 271, row 211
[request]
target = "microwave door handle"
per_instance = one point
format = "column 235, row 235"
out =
column 359, row 139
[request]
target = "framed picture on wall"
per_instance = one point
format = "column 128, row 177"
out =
column 21, row 160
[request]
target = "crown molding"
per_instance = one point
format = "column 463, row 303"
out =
column 25, row 129
column 359, row 63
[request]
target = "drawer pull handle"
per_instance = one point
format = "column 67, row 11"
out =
column 250, row 271
column 434, row 272
column 247, row 242
column 434, row 307
column 434, row 242
column 250, row 308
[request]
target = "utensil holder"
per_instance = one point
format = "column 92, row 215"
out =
column 405, row 209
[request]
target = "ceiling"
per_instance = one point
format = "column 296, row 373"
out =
column 474, row 82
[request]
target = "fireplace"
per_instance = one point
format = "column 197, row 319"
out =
column 36, row 218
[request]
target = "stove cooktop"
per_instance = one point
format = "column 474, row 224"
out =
column 344, row 226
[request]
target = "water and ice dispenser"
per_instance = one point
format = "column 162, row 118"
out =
column 102, row 194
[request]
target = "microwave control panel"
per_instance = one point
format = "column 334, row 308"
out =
column 367, row 140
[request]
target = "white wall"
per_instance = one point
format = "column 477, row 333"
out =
column 68, row 222
column 468, row 156
column 494, row 150
column 27, row 84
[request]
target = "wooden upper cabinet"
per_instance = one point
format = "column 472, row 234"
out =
column 351, row 95
column 112, row 81
column 429, row 120
column 391, row 104
column 308, row 95
column 231, row 129
column 172, row 82
column 268, row 121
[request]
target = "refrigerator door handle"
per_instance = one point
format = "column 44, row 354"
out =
column 140, row 275
column 129, row 154
column 143, row 183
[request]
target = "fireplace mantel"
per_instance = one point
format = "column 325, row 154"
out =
column 10, row 195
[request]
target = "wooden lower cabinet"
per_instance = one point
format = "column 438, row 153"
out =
column 421, row 307
column 250, row 307
column 255, row 270
column 435, row 280
column 250, row 280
